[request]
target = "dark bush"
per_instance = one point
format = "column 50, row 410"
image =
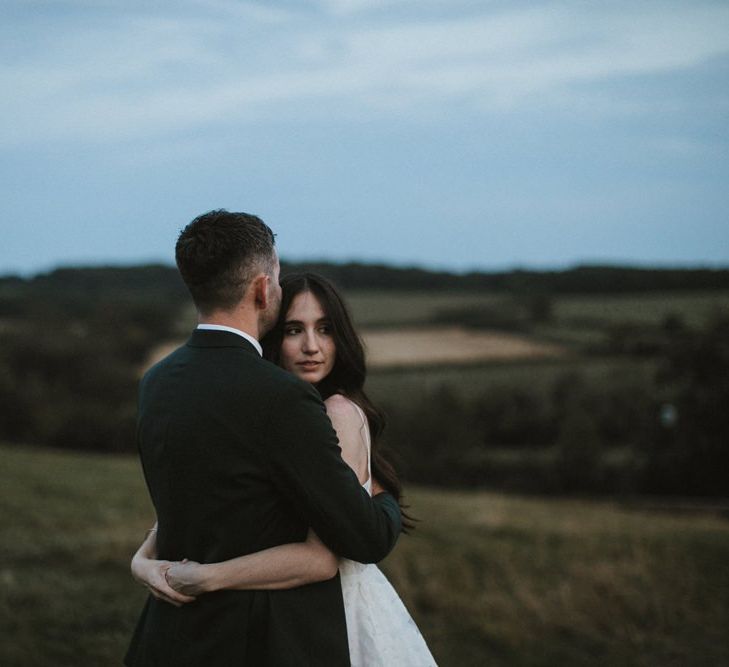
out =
column 687, row 447
column 71, row 349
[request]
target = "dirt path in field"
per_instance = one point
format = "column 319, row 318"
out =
column 430, row 346
column 449, row 345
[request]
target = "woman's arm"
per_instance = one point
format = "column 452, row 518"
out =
column 284, row 566
column 150, row 572
column 307, row 468
column 287, row 565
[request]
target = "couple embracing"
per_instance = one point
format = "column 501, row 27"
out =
column 273, row 502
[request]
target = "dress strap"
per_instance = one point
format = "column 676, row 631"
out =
column 365, row 424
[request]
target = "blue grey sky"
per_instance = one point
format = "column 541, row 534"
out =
column 444, row 133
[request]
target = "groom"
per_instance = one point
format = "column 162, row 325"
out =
column 240, row 456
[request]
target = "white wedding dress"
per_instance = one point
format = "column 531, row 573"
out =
column 380, row 630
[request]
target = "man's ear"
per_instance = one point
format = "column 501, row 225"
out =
column 260, row 291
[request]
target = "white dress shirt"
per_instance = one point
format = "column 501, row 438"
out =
column 222, row 327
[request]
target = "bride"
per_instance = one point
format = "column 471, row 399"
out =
column 315, row 339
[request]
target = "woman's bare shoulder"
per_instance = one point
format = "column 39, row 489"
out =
column 347, row 422
column 340, row 407
column 345, row 415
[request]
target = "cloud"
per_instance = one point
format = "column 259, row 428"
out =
column 133, row 71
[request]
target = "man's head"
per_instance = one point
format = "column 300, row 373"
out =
column 227, row 259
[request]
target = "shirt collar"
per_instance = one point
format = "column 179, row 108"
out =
column 222, row 327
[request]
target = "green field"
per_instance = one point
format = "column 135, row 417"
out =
column 402, row 308
column 398, row 308
column 647, row 308
column 375, row 308
column 491, row 579
column 400, row 385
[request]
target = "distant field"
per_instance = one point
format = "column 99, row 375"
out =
column 427, row 346
column 536, row 374
column 652, row 308
column 449, row 345
column 491, row 579
column 399, row 331
column 374, row 308
column 385, row 308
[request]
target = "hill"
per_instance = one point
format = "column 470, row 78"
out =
column 490, row 579
column 511, row 388
column 588, row 279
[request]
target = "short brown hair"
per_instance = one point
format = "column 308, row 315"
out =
column 219, row 253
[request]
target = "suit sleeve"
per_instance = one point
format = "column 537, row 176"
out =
column 307, row 466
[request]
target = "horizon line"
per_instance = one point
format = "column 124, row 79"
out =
column 405, row 266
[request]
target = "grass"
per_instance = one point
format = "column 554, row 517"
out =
column 695, row 307
column 562, row 582
column 68, row 524
column 578, row 321
column 401, row 308
column 491, row 579
column 400, row 385
column 384, row 308
column 576, row 318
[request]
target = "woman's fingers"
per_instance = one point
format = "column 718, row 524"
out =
column 164, row 598
column 172, row 581
column 178, row 584
column 181, row 578
column 162, row 590
column 376, row 487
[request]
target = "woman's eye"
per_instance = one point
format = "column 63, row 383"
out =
column 292, row 331
column 326, row 329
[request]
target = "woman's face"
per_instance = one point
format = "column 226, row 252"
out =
column 307, row 348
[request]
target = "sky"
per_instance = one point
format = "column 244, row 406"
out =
column 450, row 134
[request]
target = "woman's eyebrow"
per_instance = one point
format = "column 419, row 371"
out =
column 321, row 320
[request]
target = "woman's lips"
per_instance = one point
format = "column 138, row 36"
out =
column 309, row 365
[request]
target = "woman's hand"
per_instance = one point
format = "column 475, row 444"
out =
column 188, row 577
column 151, row 573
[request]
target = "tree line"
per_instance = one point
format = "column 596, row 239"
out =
column 72, row 343
column 151, row 280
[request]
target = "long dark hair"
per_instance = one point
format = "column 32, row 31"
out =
column 348, row 374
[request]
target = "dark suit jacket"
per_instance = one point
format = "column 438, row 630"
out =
column 239, row 456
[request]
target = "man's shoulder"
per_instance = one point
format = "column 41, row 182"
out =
column 287, row 385
column 160, row 366
column 235, row 368
column 286, row 395
column 241, row 368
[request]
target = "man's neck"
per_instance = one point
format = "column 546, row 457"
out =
column 234, row 320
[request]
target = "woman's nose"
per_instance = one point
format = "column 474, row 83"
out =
column 310, row 344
